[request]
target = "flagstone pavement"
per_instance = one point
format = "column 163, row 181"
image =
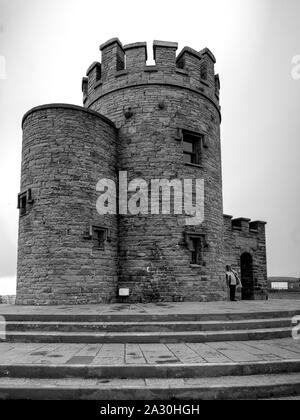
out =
column 148, row 354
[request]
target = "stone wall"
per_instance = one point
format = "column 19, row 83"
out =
column 150, row 106
column 66, row 150
column 243, row 238
column 7, row 300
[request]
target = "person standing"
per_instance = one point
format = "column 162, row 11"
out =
column 233, row 282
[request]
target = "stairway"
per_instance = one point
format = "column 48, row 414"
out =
column 150, row 356
column 148, row 328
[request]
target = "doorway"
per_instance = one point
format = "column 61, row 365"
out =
column 247, row 278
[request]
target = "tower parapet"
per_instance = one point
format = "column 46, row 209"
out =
column 164, row 54
column 136, row 56
column 113, row 58
column 93, row 76
column 120, row 64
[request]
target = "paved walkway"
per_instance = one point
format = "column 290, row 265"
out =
column 149, row 354
column 159, row 308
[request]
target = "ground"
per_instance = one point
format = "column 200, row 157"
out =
column 149, row 354
column 272, row 305
column 223, row 350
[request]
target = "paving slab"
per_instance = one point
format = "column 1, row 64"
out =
column 60, row 354
column 261, row 354
column 208, row 353
column 134, row 355
column 110, row 354
column 185, row 354
column 234, row 353
column 275, row 350
column 90, row 350
column 293, row 345
column 19, row 353
column 158, row 354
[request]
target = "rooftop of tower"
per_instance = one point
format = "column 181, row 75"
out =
column 125, row 65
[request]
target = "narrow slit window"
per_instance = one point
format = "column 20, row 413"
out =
column 204, row 71
column 196, row 244
column 23, row 205
column 24, row 199
column 100, row 239
column 196, row 253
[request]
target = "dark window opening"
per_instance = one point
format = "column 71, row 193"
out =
column 99, row 236
column 23, row 205
column 98, row 72
column 181, row 64
column 197, row 256
column 120, row 62
column 100, row 239
column 217, row 85
column 203, row 71
column 192, row 148
column 247, row 276
column 196, row 244
column 24, row 199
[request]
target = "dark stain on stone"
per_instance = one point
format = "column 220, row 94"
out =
column 161, row 362
column 80, row 360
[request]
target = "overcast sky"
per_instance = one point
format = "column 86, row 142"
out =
column 47, row 45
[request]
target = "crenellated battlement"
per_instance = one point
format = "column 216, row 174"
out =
column 244, row 225
column 136, row 55
column 125, row 66
column 164, row 53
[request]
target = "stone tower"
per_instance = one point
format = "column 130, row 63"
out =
column 158, row 122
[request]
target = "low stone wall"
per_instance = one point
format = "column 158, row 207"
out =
column 284, row 294
column 7, row 300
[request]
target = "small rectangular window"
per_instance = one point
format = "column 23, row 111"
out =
column 192, row 148
column 100, row 239
column 99, row 236
column 197, row 251
column 196, row 244
column 24, row 199
column 23, row 205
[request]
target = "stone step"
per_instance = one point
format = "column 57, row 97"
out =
column 147, row 317
column 179, row 326
column 147, row 337
column 221, row 388
column 140, row 371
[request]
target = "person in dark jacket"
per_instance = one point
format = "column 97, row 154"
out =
column 233, row 281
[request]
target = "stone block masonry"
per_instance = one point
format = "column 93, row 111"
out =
column 66, row 149
column 139, row 119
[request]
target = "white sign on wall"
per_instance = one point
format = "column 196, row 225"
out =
column 2, row 67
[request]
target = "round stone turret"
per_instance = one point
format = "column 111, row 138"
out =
column 67, row 252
